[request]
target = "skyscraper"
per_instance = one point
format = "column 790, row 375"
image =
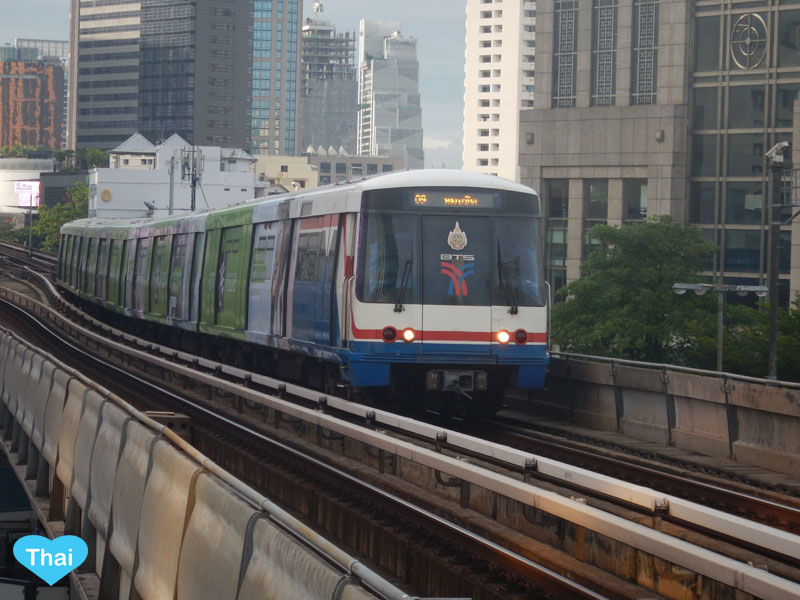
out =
column 197, row 68
column 328, row 87
column 498, row 82
column 390, row 115
column 275, row 76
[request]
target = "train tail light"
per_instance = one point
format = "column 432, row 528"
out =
column 520, row 337
column 481, row 380
column 389, row 334
column 503, row 336
column 433, row 380
column 409, row 335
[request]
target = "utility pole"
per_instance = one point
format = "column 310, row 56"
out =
column 776, row 160
column 171, row 183
column 194, row 178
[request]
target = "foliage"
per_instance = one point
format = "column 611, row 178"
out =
column 52, row 218
column 18, row 151
column 746, row 343
column 81, row 159
column 623, row 305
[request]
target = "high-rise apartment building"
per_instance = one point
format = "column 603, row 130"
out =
column 656, row 107
column 498, row 82
column 31, row 99
column 174, row 66
column 275, row 76
column 389, row 111
column 328, row 87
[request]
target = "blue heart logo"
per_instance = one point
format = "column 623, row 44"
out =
column 50, row 559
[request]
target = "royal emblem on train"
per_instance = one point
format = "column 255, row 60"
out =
column 457, row 239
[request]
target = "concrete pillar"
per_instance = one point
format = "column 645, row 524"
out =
column 616, row 207
column 575, row 230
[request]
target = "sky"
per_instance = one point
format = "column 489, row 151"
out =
column 438, row 26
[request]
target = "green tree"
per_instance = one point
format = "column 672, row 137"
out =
column 746, row 348
column 623, row 305
column 52, row 218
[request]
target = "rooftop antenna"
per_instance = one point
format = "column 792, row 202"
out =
column 318, row 7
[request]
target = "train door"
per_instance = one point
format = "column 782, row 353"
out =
column 307, row 270
column 457, row 272
column 198, row 256
column 102, row 268
column 261, row 298
column 230, row 276
column 179, row 273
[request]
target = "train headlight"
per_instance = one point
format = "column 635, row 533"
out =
column 409, row 335
column 503, row 336
column 389, row 334
column 520, row 337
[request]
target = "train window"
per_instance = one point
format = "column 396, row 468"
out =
column 90, row 278
column 517, row 279
column 388, row 261
column 308, row 263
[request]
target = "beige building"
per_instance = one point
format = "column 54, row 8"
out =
column 647, row 107
column 498, row 82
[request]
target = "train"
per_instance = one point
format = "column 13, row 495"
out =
column 421, row 287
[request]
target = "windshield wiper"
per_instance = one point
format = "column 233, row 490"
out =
column 507, row 291
column 398, row 307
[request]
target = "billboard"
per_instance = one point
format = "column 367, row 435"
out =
column 27, row 193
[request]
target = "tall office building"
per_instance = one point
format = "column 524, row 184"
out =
column 328, row 87
column 49, row 49
column 31, row 99
column 666, row 107
column 389, row 111
column 275, row 76
column 160, row 67
column 498, row 82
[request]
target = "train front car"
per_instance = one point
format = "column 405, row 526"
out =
column 449, row 305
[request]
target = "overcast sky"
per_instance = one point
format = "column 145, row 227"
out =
column 438, row 26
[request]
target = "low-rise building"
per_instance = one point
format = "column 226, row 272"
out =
column 19, row 187
column 172, row 177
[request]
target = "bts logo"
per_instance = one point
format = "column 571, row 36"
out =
column 458, row 284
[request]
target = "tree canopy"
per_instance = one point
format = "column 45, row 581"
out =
column 623, row 303
column 51, row 218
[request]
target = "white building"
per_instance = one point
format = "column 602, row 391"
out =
column 19, row 187
column 498, row 82
column 390, row 114
column 156, row 180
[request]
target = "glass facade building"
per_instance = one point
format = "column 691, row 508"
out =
column 673, row 114
column 276, row 26
column 745, row 79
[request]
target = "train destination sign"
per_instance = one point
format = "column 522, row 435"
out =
column 452, row 199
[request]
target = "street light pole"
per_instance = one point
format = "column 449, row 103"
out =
column 776, row 158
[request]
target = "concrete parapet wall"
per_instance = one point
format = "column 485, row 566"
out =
column 752, row 422
column 160, row 519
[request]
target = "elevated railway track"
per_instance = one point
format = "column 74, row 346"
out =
column 524, row 516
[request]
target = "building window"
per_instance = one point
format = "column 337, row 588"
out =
column 557, row 205
column 644, row 59
column 565, row 52
column 635, row 199
column 595, row 211
column 604, row 52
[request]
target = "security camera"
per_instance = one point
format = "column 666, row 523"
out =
column 775, row 154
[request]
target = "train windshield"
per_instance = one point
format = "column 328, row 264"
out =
column 462, row 258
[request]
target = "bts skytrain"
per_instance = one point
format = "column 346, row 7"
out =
column 421, row 286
